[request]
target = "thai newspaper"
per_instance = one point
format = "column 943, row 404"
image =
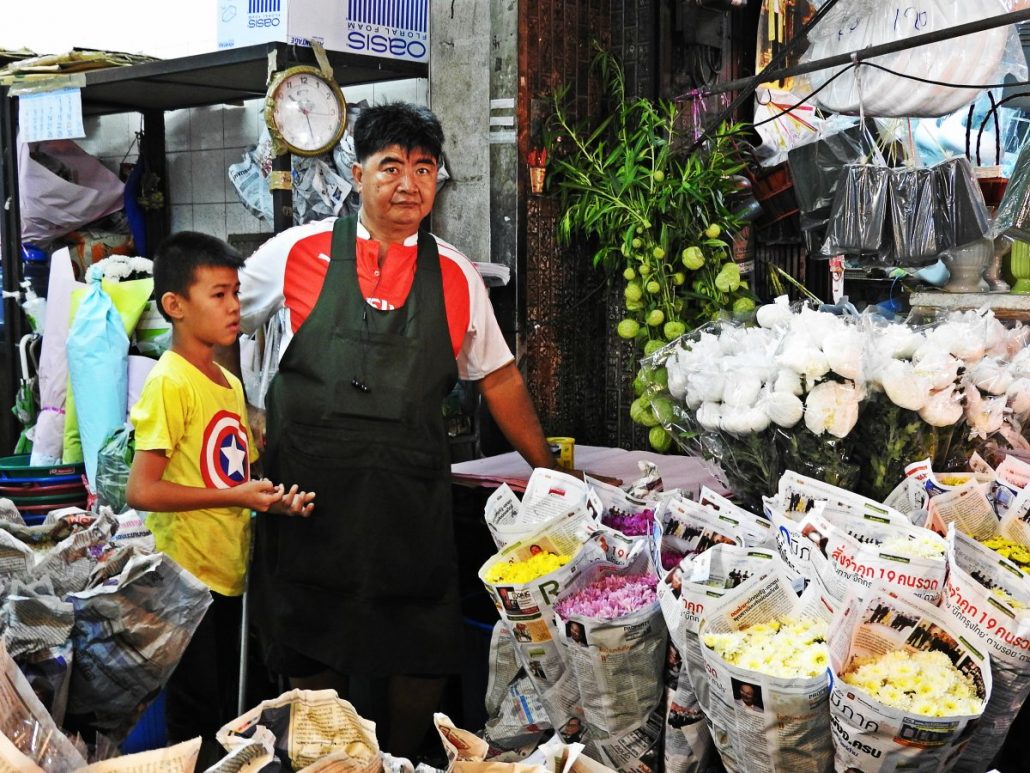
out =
column 313, row 730
column 689, row 529
column 869, row 735
column 30, row 740
column 912, row 495
column 683, row 594
column 797, row 493
column 128, row 637
column 988, row 598
column 550, row 496
column 1010, row 478
column 527, row 608
column 516, row 719
column 617, row 662
column 859, row 553
column 755, row 530
column 968, row 507
column 764, row 723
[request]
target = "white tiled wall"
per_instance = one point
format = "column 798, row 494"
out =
column 202, row 142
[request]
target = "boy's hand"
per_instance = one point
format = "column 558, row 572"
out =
column 295, row 502
column 258, row 494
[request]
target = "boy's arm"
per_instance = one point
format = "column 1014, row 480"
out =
column 147, row 491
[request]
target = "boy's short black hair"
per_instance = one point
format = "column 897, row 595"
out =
column 180, row 255
column 413, row 127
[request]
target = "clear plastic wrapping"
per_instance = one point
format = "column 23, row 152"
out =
column 1013, row 216
column 113, row 463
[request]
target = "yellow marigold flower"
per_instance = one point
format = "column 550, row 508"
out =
column 521, row 572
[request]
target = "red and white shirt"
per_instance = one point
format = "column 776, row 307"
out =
column 288, row 271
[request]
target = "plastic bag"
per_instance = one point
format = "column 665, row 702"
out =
column 113, row 463
column 858, row 218
column 816, row 167
column 982, row 57
column 1013, row 216
column 98, row 352
column 914, row 215
column 62, row 187
column 960, row 202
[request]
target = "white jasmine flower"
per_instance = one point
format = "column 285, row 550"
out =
column 832, row 407
column 788, row 380
column 741, row 390
column 706, row 385
column 802, row 355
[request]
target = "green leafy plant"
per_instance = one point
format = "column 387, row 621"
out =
column 658, row 212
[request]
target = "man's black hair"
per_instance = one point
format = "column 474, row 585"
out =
column 413, row 127
column 180, row 255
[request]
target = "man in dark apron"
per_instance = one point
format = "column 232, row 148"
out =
column 367, row 586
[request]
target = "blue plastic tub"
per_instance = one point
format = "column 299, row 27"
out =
column 149, row 733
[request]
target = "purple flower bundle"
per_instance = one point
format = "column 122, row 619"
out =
column 630, row 524
column 610, row 597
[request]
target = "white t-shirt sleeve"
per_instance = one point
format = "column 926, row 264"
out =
column 261, row 281
column 484, row 349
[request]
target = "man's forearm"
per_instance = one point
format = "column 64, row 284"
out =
column 506, row 397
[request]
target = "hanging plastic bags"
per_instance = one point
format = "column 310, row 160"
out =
column 98, row 351
column 113, row 463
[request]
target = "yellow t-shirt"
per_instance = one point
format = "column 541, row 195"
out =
column 202, row 428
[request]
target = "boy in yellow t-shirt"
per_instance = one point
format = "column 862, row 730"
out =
column 191, row 472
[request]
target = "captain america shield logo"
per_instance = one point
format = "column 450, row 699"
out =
column 223, row 455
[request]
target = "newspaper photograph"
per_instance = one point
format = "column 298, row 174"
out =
column 760, row 722
column 873, row 734
column 989, row 599
column 908, row 560
column 310, row 727
column 689, row 529
column 255, row 755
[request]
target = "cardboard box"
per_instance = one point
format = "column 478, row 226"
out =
column 395, row 29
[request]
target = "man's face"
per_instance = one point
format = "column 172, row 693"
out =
column 397, row 188
column 747, row 695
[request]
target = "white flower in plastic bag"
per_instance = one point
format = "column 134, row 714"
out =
column 984, row 415
column 1020, row 364
column 832, row 407
column 904, row 386
column 816, row 325
column 774, row 315
column 677, row 378
column 943, row 408
column 963, row 340
column 991, row 376
column 743, row 421
column 843, row 350
column 940, row 367
column 1018, row 394
column 997, row 339
column 706, row 385
column 709, row 415
column 783, row 408
column 788, row 380
column 898, row 341
column 802, row 355
column 741, row 390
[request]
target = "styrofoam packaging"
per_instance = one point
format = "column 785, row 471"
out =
column 394, row 29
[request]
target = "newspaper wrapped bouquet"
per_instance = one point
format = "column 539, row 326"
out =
column 847, row 399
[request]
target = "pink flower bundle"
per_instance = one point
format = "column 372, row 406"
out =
column 610, row 597
column 630, row 524
column 671, row 558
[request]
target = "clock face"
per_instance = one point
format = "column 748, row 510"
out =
column 308, row 112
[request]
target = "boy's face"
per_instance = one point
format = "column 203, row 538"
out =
column 210, row 311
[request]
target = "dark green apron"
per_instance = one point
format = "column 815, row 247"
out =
column 368, row 583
